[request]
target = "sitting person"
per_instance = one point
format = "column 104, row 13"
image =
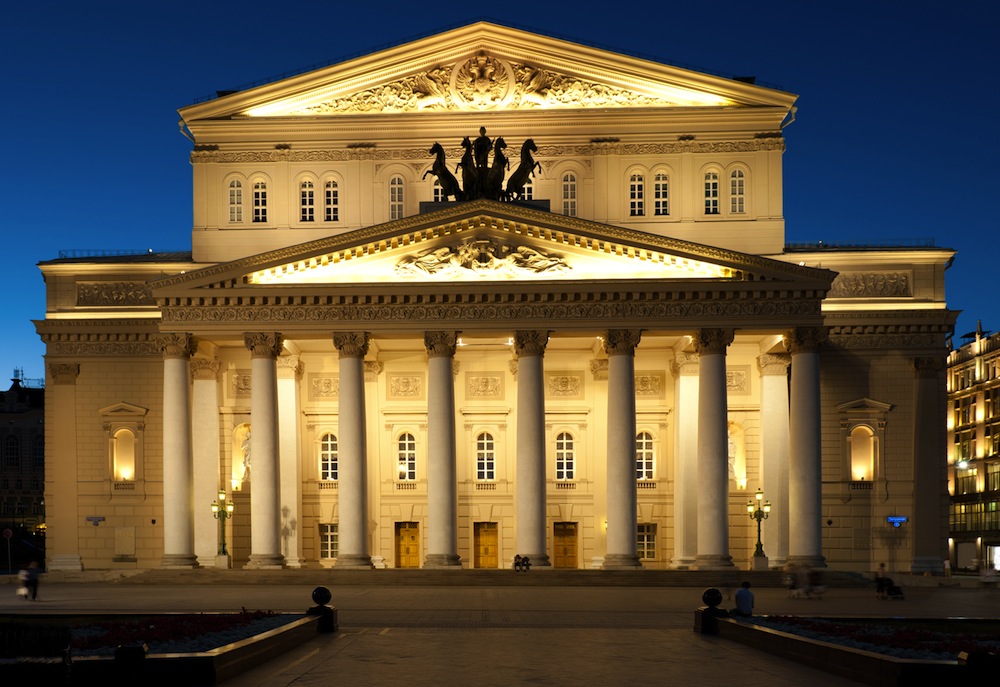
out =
column 744, row 601
column 517, row 563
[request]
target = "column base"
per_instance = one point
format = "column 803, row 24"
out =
column 714, row 562
column 621, row 561
column 682, row 563
column 222, row 561
column 443, row 561
column 179, row 560
column 354, row 561
column 265, row 561
column 807, row 561
column 760, row 563
column 67, row 562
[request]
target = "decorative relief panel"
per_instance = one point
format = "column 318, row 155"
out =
column 408, row 387
column 481, row 256
column 650, row 384
column 738, row 380
column 323, row 387
column 114, row 294
column 484, row 385
column 239, row 384
column 564, row 385
column 871, row 285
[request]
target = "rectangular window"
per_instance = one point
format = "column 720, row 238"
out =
column 235, row 202
column 661, row 195
column 737, row 191
column 636, row 206
column 260, row 202
column 332, row 202
column 711, row 193
column 307, row 202
column 646, row 541
column 485, row 458
column 965, row 481
column 328, row 541
column 396, row 198
column 407, row 458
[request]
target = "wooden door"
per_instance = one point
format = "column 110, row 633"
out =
column 407, row 545
column 486, row 543
column 564, row 545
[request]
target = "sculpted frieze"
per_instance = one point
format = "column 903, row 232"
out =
column 483, row 82
column 871, row 285
column 486, row 256
column 114, row 294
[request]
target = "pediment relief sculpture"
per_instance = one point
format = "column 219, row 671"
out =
column 484, row 82
column 483, row 257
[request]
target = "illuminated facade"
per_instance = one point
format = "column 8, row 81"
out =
column 974, row 452
column 596, row 375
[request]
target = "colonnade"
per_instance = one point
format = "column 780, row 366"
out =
column 790, row 449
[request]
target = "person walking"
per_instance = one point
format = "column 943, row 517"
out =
column 30, row 580
column 882, row 582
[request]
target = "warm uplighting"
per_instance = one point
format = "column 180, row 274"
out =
column 125, row 474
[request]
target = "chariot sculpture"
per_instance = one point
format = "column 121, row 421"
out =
column 480, row 178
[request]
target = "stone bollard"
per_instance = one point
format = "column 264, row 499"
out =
column 706, row 618
column 327, row 615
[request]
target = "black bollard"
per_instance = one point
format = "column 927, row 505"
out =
column 327, row 615
column 706, row 618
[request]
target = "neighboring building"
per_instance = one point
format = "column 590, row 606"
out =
column 974, row 452
column 22, row 471
column 600, row 374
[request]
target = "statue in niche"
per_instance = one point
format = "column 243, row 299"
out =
column 245, row 449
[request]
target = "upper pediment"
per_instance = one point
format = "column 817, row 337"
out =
column 484, row 67
column 489, row 242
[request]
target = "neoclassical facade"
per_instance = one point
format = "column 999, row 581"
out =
column 491, row 293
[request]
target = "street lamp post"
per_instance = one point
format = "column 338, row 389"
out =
column 222, row 510
column 758, row 509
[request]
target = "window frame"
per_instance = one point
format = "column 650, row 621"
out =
column 329, row 457
column 406, row 457
column 645, row 456
column 485, row 457
column 565, row 455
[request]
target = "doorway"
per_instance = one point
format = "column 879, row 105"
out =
column 564, row 542
column 407, row 545
column 486, row 543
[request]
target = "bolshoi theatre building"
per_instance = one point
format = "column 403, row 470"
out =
column 490, row 293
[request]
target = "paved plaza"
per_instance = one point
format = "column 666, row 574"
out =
column 509, row 634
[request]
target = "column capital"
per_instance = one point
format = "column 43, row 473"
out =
column 372, row 370
column 351, row 344
column 289, row 367
column 928, row 367
column 599, row 369
column 805, row 339
column 621, row 341
column 713, row 340
column 63, row 373
column 440, row 344
column 530, row 342
column 773, row 363
column 205, row 368
column 684, row 363
column 178, row 345
column 263, row 344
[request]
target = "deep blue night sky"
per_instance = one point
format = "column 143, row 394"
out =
column 895, row 137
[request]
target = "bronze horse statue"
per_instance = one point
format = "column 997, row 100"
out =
column 494, row 180
column 525, row 170
column 470, row 177
column 447, row 181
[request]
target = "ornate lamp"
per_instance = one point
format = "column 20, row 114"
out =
column 222, row 510
column 758, row 510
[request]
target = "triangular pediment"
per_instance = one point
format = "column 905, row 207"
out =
column 485, row 67
column 488, row 242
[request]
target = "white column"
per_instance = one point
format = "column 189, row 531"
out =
column 353, row 460
column 530, row 487
column 774, row 454
column 442, row 486
column 178, row 473
column 208, row 478
column 290, row 476
column 685, row 372
column 62, row 539
column 805, row 527
column 622, row 500
column 930, row 495
column 265, row 522
column 713, row 450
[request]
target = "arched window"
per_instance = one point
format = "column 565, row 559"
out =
column 123, row 455
column 328, row 454
column 661, row 194
column 862, row 453
column 260, row 201
column 485, row 458
column 644, row 456
column 636, row 193
column 569, row 195
column 235, row 201
column 396, row 198
column 331, row 202
column 711, row 193
column 407, row 457
column 737, row 192
column 307, row 201
column 565, row 457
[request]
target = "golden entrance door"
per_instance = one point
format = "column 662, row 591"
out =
column 486, row 540
column 407, row 545
column 564, row 545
